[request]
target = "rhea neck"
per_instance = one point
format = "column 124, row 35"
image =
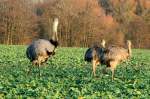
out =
column 103, row 43
column 129, row 47
column 54, row 39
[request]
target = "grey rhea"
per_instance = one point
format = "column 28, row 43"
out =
column 40, row 50
column 88, row 54
column 111, row 56
column 94, row 54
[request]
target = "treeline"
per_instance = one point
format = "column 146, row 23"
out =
column 82, row 22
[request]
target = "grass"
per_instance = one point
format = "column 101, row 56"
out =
column 67, row 76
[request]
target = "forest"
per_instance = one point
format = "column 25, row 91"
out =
column 77, row 69
column 82, row 22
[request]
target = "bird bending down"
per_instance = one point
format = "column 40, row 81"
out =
column 111, row 56
column 40, row 50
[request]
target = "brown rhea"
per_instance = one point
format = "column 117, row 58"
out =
column 112, row 56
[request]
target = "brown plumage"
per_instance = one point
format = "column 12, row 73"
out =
column 96, row 58
column 112, row 56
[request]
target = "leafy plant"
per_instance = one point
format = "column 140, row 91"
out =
column 66, row 75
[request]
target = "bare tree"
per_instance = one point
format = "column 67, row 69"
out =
column 16, row 21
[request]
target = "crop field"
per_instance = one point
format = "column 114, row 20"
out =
column 67, row 76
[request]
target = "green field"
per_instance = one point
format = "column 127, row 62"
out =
column 67, row 76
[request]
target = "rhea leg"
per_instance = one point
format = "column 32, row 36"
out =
column 40, row 60
column 39, row 64
column 112, row 70
column 113, row 65
column 94, row 67
column 95, row 63
column 29, row 71
column 34, row 62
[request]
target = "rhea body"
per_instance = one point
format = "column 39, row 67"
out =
column 88, row 54
column 40, row 50
column 111, row 56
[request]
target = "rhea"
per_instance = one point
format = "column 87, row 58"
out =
column 111, row 56
column 40, row 50
column 88, row 54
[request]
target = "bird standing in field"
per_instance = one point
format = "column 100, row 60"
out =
column 95, row 57
column 40, row 50
column 111, row 56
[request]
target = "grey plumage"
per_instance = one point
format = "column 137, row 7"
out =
column 40, row 50
column 88, row 54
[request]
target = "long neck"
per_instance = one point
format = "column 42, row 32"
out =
column 129, row 47
column 55, row 26
column 103, row 43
